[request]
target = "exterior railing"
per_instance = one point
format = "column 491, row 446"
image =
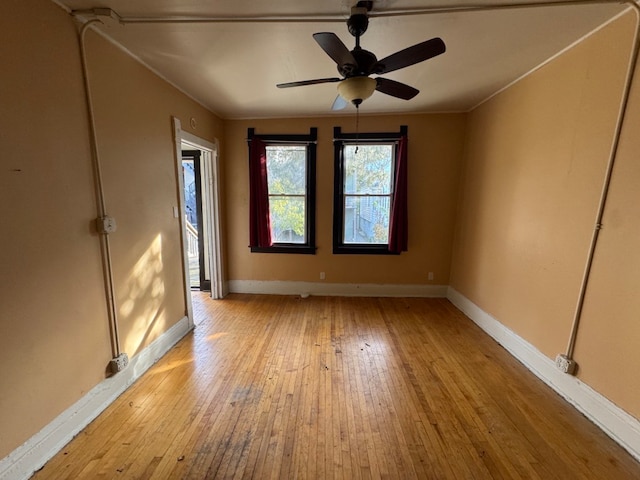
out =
column 192, row 239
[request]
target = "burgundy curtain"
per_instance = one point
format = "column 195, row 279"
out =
column 259, row 222
column 398, row 228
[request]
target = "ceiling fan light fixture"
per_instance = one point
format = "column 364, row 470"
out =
column 356, row 89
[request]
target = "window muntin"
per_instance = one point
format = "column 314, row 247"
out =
column 367, row 192
column 287, row 185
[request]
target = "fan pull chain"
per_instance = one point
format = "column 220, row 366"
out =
column 357, row 128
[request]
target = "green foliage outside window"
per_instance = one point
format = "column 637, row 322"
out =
column 286, row 176
column 367, row 192
column 369, row 170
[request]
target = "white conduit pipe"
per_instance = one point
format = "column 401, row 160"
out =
column 633, row 63
column 105, row 247
column 494, row 7
column 477, row 8
column 337, row 17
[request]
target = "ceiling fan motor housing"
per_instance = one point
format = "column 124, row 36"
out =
column 366, row 63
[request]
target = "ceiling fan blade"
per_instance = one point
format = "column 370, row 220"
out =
column 308, row 82
column 339, row 103
column 334, row 47
column 396, row 89
column 412, row 55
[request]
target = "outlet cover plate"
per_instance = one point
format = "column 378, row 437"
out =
column 119, row 363
column 566, row 364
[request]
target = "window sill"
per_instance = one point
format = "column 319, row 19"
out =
column 360, row 249
column 286, row 248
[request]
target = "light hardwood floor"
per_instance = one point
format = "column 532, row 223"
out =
column 329, row 387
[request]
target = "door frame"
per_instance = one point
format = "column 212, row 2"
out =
column 200, row 165
column 211, row 196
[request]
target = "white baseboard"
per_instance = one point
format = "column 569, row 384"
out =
column 336, row 289
column 619, row 425
column 35, row 452
column 615, row 422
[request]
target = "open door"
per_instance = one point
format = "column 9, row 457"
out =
column 208, row 230
column 197, row 241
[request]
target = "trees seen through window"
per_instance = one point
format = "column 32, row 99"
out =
column 286, row 178
column 367, row 193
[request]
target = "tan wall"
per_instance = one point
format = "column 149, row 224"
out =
column 54, row 336
column 607, row 346
column 435, row 152
column 535, row 164
column 135, row 139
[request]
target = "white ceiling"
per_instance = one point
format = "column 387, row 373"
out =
column 232, row 67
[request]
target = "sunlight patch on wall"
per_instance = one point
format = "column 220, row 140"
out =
column 142, row 308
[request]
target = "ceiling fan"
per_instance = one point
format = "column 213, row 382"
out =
column 357, row 65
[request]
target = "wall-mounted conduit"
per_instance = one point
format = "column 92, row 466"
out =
column 633, row 63
column 335, row 17
column 119, row 360
column 567, row 363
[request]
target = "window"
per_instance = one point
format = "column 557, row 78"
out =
column 282, row 190
column 369, row 193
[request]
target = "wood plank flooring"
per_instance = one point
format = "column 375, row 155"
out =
column 330, row 387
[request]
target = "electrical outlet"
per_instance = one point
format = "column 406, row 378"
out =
column 566, row 364
column 119, row 363
column 430, row 276
column 322, row 276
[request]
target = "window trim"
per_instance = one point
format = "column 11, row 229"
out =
column 310, row 141
column 339, row 140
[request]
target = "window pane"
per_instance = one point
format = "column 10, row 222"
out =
column 286, row 169
column 369, row 170
column 366, row 219
column 287, row 219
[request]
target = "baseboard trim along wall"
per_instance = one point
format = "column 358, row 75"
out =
column 615, row 422
column 336, row 289
column 35, row 452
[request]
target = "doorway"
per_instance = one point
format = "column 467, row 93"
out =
column 197, row 241
column 209, row 272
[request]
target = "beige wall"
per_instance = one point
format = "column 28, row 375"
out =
column 54, row 335
column 607, row 346
column 535, row 164
column 435, row 152
column 135, row 140
column 531, row 176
